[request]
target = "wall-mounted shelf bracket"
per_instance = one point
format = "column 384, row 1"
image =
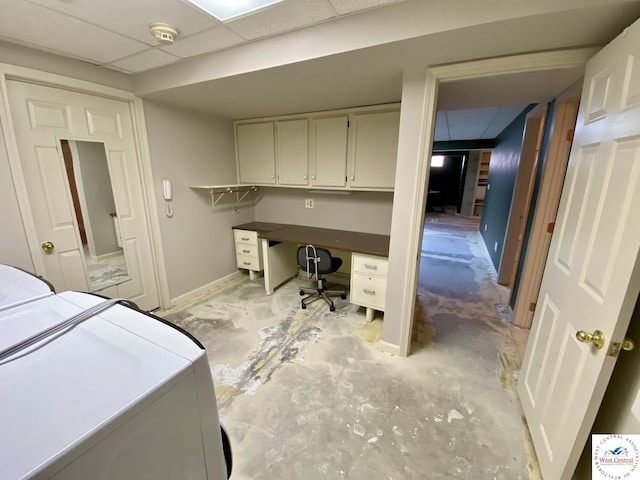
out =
column 219, row 191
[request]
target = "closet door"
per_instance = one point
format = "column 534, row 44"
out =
column 100, row 182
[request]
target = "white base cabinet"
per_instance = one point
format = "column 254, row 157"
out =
column 248, row 252
column 368, row 282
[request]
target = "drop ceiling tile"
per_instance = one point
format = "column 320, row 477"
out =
column 151, row 58
column 25, row 23
column 441, row 118
column 468, row 132
column 441, row 133
column 217, row 38
column 349, row 6
column 509, row 112
column 282, row 17
column 471, row 117
column 132, row 17
column 494, row 130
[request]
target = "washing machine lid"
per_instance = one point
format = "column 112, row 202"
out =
column 91, row 377
column 18, row 287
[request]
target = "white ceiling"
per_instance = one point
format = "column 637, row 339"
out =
column 115, row 35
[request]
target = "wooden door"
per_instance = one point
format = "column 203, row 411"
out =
column 42, row 116
column 592, row 276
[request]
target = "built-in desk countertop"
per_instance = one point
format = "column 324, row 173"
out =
column 278, row 251
column 369, row 243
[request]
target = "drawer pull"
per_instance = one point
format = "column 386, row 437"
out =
column 246, row 239
column 246, row 251
column 369, row 292
column 246, row 263
column 370, row 267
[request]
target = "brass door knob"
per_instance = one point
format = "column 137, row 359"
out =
column 47, row 246
column 597, row 337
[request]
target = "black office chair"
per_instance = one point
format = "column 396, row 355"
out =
column 316, row 262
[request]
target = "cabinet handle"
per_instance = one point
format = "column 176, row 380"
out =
column 246, row 263
column 272, row 176
column 304, row 178
column 246, row 239
column 246, row 251
column 370, row 267
column 369, row 292
column 353, row 178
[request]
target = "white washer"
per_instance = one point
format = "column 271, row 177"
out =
column 123, row 395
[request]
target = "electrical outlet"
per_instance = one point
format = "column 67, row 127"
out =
column 488, row 186
column 485, row 227
column 495, row 247
column 308, row 203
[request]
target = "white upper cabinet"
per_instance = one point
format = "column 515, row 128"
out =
column 329, row 151
column 292, row 151
column 255, row 152
column 349, row 149
column 373, row 150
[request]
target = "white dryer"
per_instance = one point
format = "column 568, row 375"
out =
column 123, row 395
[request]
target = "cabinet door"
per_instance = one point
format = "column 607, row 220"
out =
column 255, row 148
column 373, row 150
column 292, row 151
column 329, row 152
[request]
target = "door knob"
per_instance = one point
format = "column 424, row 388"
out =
column 597, row 337
column 47, row 246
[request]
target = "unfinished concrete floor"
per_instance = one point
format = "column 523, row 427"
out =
column 306, row 394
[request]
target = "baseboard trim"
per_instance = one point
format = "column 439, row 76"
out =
column 389, row 347
column 203, row 289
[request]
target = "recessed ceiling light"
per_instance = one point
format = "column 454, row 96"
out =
column 225, row 10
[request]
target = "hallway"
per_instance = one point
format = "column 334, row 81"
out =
column 307, row 394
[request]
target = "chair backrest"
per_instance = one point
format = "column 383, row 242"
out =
column 309, row 257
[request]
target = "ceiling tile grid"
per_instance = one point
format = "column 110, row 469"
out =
column 32, row 25
column 283, row 17
column 217, row 38
column 147, row 60
column 131, row 18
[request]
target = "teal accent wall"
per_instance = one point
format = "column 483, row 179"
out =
column 505, row 158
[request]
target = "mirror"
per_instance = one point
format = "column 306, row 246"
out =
column 95, row 208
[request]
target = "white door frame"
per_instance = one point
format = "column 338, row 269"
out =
column 12, row 72
column 408, row 209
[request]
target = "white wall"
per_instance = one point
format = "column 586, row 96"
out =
column 13, row 247
column 191, row 148
column 47, row 62
column 368, row 212
column 96, row 188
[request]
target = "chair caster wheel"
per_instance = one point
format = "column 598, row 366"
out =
column 304, row 307
column 332, row 308
column 301, row 293
column 343, row 296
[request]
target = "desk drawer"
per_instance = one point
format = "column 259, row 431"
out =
column 369, row 264
column 368, row 291
column 247, row 250
column 250, row 263
column 246, row 236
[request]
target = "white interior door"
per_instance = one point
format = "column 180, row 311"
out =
column 41, row 117
column 592, row 277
